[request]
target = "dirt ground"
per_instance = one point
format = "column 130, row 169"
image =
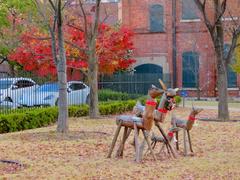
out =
column 81, row 154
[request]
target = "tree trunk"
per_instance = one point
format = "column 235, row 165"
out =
column 62, row 125
column 222, row 83
column 93, row 81
column 223, row 113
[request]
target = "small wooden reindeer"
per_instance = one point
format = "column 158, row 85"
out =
column 166, row 104
column 160, row 139
column 186, row 125
column 137, row 123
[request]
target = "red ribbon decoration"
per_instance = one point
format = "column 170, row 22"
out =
column 151, row 103
column 170, row 134
column 162, row 110
column 191, row 118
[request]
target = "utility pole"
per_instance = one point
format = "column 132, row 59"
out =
column 174, row 45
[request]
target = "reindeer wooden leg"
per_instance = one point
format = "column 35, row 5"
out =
column 136, row 143
column 121, row 146
column 154, row 144
column 185, row 142
column 114, row 140
column 146, row 135
column 177, row 144
column 189, row 140
column 162, row 148
column 166, row 139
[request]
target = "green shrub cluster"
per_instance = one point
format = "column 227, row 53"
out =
column 42, row 117
column 110, row 95
column 27, row 120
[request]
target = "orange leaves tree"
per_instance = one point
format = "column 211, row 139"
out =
column 114, row 47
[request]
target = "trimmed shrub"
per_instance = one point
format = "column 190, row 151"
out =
column 178, row 100
column 35, row 118
column 110, row 95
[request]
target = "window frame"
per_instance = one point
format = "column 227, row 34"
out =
column 196, row 56
column 187, row 19
column 151, row 22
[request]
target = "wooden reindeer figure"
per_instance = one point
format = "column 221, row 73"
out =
column 166, row 104
column 160, row 139
column 186, row 125
column 143, row 123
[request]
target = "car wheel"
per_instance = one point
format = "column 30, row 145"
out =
column 56, row 103
column 88, row 100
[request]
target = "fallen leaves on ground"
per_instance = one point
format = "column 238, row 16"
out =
column 81, row 154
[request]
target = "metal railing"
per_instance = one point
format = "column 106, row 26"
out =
column 28, row 91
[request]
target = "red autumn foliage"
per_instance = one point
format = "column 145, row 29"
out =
column 113, row 48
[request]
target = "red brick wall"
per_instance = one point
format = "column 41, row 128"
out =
column 191, row 36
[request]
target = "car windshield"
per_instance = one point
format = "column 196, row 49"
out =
column 48, row 88
column 5, row 84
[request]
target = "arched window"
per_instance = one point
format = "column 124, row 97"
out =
column 156, row 18
column 149, row 69
column 190, row 69
column 231, row 75
column 148, row 74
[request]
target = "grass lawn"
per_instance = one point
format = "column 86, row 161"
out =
column 81, row 154
column 210, row 103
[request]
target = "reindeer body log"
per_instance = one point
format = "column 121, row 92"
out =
column 132, row 122
column 166, row 104
column 186, row 125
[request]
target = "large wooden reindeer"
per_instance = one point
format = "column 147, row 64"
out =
column 143, row 123
column 166, row 104
column 186, row 125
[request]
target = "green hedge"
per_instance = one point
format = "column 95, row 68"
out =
column 42, row 117
column 110, row 95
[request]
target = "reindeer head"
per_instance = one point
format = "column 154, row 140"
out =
column 154, row 92
column 167, row 100
column 195, row 111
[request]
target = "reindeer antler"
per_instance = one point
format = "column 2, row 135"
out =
column 164, row 87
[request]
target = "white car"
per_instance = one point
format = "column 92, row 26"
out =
column 48, row 95
column 11, row 89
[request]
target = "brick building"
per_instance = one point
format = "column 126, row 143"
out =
column 170, row 37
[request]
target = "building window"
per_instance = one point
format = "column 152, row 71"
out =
column 190, row 69
column 189, row 10
column 156, row 18
column 231, row 75
column 232, row 78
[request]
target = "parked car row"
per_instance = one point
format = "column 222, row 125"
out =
column 18, row 92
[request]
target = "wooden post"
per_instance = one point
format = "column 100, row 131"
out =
column 177, row 144
column 185, row 142
column 141, row 149
column 136, row 142
column 114, row 139
column 189, row 140
column 126, row 134
column 148, row 143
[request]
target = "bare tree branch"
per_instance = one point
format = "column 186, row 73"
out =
column 97, row 14
column 106, row 15
column 52, row 5
column 75, row 46
column 84, row 18
column 3, row 59
column 219, row 15
column 202, row 7
column 75, row 27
